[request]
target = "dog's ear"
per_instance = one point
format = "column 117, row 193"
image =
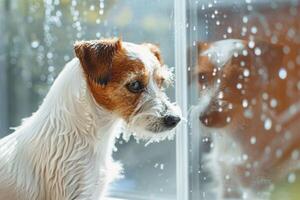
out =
column 155, row 50
column 96, row 58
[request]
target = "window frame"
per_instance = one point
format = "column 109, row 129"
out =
column 181, row 83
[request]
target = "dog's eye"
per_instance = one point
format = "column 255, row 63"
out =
column 135, row 87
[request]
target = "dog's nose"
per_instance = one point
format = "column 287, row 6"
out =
column 171, row 121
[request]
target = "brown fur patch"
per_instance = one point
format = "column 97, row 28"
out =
column 96, row 57
column 114, row 96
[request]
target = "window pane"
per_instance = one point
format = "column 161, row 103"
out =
column 244, row 88
column 37, row 40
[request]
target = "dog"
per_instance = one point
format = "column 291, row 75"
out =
column 249, row 105
column 64, row 150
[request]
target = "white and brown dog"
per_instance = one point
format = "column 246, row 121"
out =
column 250, row 106
column 63, row 151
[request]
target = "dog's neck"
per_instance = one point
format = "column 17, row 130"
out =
column 69, row 108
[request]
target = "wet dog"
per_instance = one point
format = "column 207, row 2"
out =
column 63, row 151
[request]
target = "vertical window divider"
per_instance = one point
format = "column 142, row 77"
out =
column 181, row 82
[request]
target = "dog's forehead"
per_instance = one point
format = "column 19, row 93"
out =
column 142, row 53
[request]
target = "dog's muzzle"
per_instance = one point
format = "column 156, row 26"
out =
column 171, row 121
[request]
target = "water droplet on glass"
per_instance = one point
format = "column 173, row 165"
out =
column 246, row 73
column 228, row 119
column 253, row 140
column 245, row 103
column 49, row 55
column 51, row 69
column 162, row 166
column 254, row 29
column 92, row 7
column 245, row 157
column 245, row 19
column 282, row 73
column 239, row 86
column 273, row 103
column 221, row 95
column 229, row 29
column 35, row 44
column 257, row 51
column 251, row 44
column 268, row 124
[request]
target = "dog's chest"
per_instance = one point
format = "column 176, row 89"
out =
column 70, row 170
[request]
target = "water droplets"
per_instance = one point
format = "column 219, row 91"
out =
column 282, row 73
column 251, row 44
column 245, row 103
column 273, row 103
column 254, row 29
column 257, row 51
column 246, row 72
column 244, row 157
column 35, row 44
column 268, row 124
column 239, row 86
column 253, row 140
column 101, row 6
column 245, row 19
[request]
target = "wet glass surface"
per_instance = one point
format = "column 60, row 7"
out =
column 244, row 58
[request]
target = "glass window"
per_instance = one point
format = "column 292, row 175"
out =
column 37, row 40
column 237, row 82
column 244, row 96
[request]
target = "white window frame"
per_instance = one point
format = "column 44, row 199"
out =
column 181, row 90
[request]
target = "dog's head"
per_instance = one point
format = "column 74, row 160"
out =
column 128, row 79
column 231, row 75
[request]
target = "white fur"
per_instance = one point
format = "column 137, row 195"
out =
column 63, row 151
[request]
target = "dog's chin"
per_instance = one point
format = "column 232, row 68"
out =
column 156, row 133
column 158, row 128
column 215, row 119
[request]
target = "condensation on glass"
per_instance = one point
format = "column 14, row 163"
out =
column 37, row 39
column 244, row 96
